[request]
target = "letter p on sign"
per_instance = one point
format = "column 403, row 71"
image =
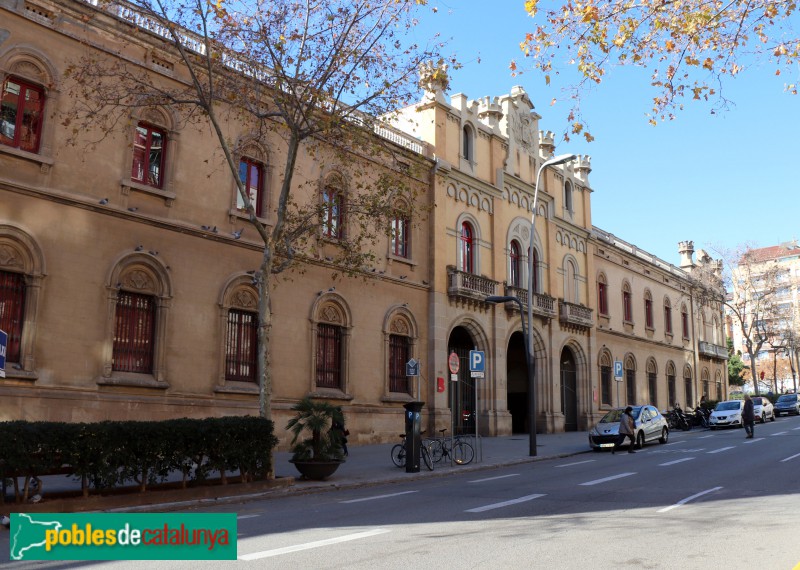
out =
column 477, row 362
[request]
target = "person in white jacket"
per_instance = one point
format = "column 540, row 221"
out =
column 627, row 428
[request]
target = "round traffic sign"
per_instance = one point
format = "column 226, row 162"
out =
column 453, row 363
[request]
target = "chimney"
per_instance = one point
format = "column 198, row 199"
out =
column 686, row 251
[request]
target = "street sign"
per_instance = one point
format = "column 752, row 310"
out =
column 453, row 363
column 412, row 367
column 618, row 370
column 3, row 345
column 477, row 362
column 477, row 375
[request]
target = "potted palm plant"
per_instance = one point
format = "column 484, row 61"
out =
column 317, row 438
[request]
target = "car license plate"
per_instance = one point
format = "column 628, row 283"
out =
column 606, row 445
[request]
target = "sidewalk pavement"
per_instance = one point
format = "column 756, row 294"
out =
column 366, row 465
column 372, row 464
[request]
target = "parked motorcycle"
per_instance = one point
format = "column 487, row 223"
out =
column 700, row 417
column 677, row 419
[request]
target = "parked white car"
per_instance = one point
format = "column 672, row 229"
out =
column 763, row 409
column 727, row 414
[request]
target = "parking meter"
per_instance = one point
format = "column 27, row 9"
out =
column 413, row 435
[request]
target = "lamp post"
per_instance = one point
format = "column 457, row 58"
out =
column 528, row 327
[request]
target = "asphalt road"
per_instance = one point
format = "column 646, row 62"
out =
column 704, row 500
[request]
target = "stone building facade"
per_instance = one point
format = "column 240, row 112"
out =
column 88, row 241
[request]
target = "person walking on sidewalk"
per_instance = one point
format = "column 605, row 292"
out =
column 748, row 416
column 627, row 427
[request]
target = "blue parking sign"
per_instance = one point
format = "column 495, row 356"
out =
column 618, row 369
column 477, row 362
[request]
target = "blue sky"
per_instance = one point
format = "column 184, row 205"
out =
column 720, row 180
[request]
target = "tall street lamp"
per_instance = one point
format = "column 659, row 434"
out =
column 528, row 327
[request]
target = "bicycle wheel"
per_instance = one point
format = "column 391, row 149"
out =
column 426, row 458
column 399, row 455
column 463, row 452
column 436, row 450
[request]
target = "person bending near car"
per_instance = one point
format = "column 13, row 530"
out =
column 627, row 428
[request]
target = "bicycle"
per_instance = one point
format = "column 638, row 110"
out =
column 399, row 454
column 456, row 448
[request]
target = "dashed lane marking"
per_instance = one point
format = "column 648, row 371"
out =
column 676, row 461
column 606, row 479
column 375, row 497
column 310, row 545
column 504, row 503
column 494, row 478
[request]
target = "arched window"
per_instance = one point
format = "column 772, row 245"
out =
column 239, row 323
column 571, row 291
column 251, row 173
column 652, row 381
column 648, row 310
column 602, row 295
column 400, row 338
column 21, row 274
column 627, row 303
column 21, row 114
column 630, row 380
column 705, row 377
column 332, row 226
column 149, row 152
column 568, row 196
column 687, row 383
column 605, row 379
column 467, row 248
column 331, row 337
column 535, row 273
column 718, row 382
column 139, row 298
column 467, row 143
column 400, row 236
column 685, row 321
column 671, row 387
column 667, row 317
column 515, row 264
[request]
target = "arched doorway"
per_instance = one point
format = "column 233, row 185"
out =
column 569, row 390
column 461, row 397
column 517, row 383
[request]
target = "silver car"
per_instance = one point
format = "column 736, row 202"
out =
column 650, row 426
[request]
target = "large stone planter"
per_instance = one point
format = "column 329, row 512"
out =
column 316, row 470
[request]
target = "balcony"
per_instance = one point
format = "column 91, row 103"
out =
column 575, row 315
column 543, row 305
column 468, row 286
column 710, row 350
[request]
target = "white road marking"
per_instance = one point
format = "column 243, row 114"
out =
column 504, row 503
column 378, row 497
column 676, row 461
column 755, row 440
column 677, row 442
column 242, row 517
column 687, row 499
column 781, row 433
column 494, row 478
column 795, row 428
column 706, row 436
column 790, row 457
column 604, row 479
column 310, row 545
column 576, row 463
column 722, row 449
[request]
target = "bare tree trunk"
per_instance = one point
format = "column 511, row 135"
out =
column 754, row 374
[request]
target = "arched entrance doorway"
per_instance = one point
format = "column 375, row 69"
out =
column 517, row 383
column 461, row 397
column 569, row 390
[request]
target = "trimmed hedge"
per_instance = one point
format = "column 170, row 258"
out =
column 109, row 454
